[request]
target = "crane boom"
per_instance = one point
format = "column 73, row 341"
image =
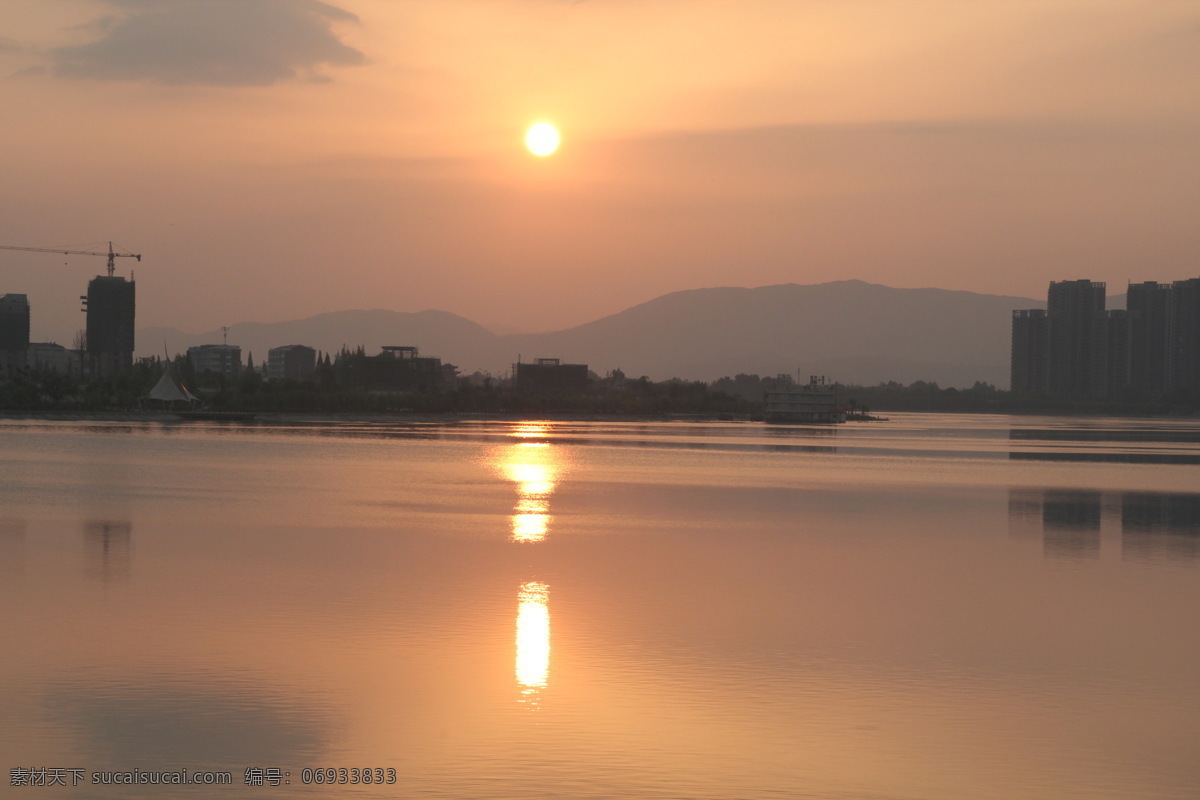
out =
column 112, row 255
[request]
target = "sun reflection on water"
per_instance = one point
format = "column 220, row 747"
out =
column 533, row 639
column 535, row 467
column 531, row 430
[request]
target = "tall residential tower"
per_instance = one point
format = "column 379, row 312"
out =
column 1030, row 353
column 1148, row 304
column 1078, row 339
column 1183, row 365
column 1076, row 350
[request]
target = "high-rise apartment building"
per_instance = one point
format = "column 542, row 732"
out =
column 1116, row 348
column 1183, row 335
column 1078, row 339
column 1030, row 352
column 110, row 324
column 1075, row 349
column 1148, row 305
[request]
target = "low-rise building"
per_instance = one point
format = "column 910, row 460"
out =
column 394, row 368
column 550, row 376
column 51, row 357
column 292, row 362
column 219, row 359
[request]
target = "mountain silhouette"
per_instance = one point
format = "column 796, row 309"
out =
column 851, row 331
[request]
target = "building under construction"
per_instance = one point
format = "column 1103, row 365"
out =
column 14, row 333
column 110, row 305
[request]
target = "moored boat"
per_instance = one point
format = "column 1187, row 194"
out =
column 814, row 403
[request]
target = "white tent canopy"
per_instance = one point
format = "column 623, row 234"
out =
column 169, row 390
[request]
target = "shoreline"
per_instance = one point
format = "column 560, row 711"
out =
column 316, row 417
column 366, row 416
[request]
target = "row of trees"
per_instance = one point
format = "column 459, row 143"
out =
column 982, row 397
column 736, row 396
column 34, row 390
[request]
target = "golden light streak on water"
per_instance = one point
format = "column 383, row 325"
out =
column 534, row 467
column 531, row 430
column 535, row 477
column 531, row 523
column 533, row 639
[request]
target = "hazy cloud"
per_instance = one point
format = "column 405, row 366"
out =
column 213, row 42
column 1172, row 49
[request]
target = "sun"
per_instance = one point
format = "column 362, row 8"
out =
column 542, row 139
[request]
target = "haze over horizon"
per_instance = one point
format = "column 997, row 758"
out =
column 853, row 331
column 503, row 329
column 278, row 159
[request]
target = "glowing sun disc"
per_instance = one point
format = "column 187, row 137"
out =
column 542, row 139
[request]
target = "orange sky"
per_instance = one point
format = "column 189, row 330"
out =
column 275, row 159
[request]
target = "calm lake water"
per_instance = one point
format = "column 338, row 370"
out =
column 935, row 607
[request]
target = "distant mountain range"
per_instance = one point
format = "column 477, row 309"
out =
column 851, row 331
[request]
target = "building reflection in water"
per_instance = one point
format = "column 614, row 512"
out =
column 1025, row 513
column 1120, row 446
column 533, row 640
column 535, row 466
column 1153, row 524
column 12, row 545
column 1158, row 524
column 108, row 548
column 1071, row 524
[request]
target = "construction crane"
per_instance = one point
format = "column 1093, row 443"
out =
column 112, row 255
